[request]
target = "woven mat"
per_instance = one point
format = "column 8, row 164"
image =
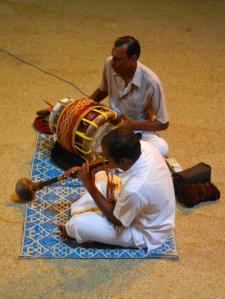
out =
column 41, row 237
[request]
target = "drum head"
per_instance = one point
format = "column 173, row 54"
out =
column 63, row 158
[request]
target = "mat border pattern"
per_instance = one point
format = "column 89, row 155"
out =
column 41, row 238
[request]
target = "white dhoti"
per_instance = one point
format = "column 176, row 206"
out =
column 89, row 224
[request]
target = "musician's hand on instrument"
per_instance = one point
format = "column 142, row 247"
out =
column 86, row 176
column 116, row 122
column 72, row 172
column 127, row 122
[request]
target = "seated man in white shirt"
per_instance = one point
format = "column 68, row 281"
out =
column 136, row 209
column 135, row 92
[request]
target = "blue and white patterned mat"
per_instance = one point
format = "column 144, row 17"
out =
column 52, row 205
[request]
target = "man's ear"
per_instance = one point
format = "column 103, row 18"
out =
column 134, row 57
column 123, row 160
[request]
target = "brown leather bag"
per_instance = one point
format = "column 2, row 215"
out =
column 193, row 185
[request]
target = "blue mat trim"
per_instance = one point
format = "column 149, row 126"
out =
column 41, row 237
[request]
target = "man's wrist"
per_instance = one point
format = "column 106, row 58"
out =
column 92, row 189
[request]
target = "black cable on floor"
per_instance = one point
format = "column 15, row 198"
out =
column 43, row 71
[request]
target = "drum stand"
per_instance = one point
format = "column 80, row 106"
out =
column 63, row 158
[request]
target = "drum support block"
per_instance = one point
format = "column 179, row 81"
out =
column 63, row 158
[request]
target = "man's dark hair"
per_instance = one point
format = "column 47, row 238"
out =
column 122, row 143
column 133, row 46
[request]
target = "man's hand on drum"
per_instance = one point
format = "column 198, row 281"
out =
column 127, row 122
column 72, row 172
column 87, row 177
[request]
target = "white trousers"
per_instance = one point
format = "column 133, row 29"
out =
column 89, row 224
column 156, row 141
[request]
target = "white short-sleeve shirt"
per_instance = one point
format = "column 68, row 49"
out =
column 143, row 92
column 146, row 202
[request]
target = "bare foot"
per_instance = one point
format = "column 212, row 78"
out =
column 62, row 229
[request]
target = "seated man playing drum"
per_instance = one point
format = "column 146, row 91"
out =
column 136, row 209
column 135, row 92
